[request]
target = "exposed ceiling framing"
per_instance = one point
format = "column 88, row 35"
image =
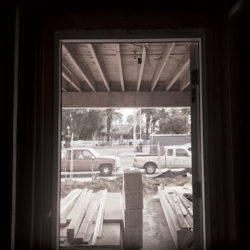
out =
column 125, row 68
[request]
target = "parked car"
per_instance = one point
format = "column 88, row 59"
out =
column 88, row 159
column 172, row 157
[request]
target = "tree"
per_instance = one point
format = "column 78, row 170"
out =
column 83, row 123
column 152, row 116
column 92, row 125
column 176, row 121
column 111, row 115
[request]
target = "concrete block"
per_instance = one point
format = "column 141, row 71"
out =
column 133, row 200
column 133, row 218
column 132, row 181
column 133, row 237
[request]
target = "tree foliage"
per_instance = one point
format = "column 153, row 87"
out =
column 86, row 124
column 175, row 121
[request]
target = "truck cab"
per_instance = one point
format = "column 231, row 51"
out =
column 178, row 156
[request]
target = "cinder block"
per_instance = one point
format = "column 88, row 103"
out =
column 133, row 199
column 133, row 218
column 132, row 181
column 133, row 237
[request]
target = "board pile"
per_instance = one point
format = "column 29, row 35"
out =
column 178, row 211
column 84, row 216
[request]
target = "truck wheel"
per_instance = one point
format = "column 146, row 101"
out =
column 106, row 170
column 150, row 168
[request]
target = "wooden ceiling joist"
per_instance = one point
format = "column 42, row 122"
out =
column 119, row 59
column 84, row 74
column 178, row 74
column 143, row 59
column 99, row 66
column 71, row 82
column 166, row 54
column 184, row 85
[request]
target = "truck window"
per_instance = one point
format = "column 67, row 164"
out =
column 181, row 152
column 78, row 154
column 170, row 152
column 87, row 154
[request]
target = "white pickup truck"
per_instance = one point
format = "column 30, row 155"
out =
column 172, row 157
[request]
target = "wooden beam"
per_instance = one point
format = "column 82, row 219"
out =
column 184, row 85
column 83, row 73
column 118, row 54
column 178, row 74
column 166, row 54
column 141, row 68
column 126, row 99
column 71, row 82
column 63, row 89
column 99, row 66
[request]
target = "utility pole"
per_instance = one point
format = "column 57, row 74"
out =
column 134, row 127
column 140, row 125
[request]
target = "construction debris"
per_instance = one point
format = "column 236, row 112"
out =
column 86, row 216
column 178, row 211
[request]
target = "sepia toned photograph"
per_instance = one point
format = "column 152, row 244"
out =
column 125, row 125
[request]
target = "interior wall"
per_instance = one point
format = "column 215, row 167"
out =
column 36, row 204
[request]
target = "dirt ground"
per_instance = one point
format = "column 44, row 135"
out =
column 150, row 184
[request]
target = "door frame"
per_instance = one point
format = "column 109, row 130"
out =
column 201, row 184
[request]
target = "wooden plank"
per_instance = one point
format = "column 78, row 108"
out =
column 184, row 85
column 141, row 68
column 71, row 82
column 99, row 66
column 76, row 215
column 68, row 206
column 85, row 75
column 111, row 239
column 91, row 228
column 126, row 99
column 161, row 65
column 188, row 206
column 113, row 208
column 99, row 217
column 67, row 197
column 169, row 215
column 118, row 54
column 178, row 74
column 182, row 222
column 111, row 235
column 92, row 209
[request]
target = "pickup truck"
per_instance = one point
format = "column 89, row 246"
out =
column 88, row 159
column 172, row 157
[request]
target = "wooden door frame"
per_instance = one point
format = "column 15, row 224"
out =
column 198, row 36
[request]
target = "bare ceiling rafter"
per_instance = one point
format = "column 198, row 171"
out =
column 71, row 82
column 99, row 66
column 166, row 54
column 143, row 59
column 119, row 59
column 86, row 76
column 178, row 73
column 184, row 85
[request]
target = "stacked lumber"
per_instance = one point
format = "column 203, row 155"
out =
column 133, row 205
column 178, row 211
column 84, row 217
